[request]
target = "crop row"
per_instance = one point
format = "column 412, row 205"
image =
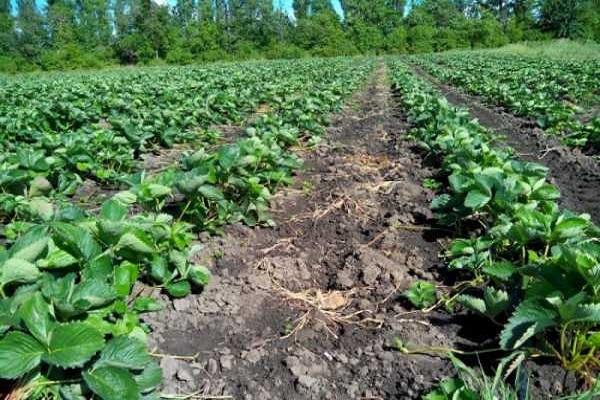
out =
column 57, row 132
column 558, row 95
column 532, row 268
column 70, row 326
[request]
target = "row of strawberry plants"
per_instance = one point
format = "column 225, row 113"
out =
column 70, row 325
column 71, row 127
column 534, row 268
column 56, row 163
column 555, row 94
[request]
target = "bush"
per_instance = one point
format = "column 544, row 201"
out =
column 179, row 56
column 134, row 48
column 421, row 38
column 10, row 64
column 396, row 41
column 284, row 50
column 72, row 57
column 214, row 55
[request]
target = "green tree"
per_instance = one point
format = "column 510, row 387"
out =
column 145, row 34
column 396, row 41
column 31, row 37
column 568, row 18
column 370, row 22
column 185, row 11
column 61, row 22
column 322, row 35
column 301, row 8
column 7, row 31
column 487, row 32
column 93, row 23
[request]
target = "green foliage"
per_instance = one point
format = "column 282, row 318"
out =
column 68, row 315
column 101, row 32
column 472, row 384
column 553, row 92
column 421, row 294
column 537, row 264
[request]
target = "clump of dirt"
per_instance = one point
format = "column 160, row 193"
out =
column 574, row 173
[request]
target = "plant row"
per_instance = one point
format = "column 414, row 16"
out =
column 120, row 120
column 532, row 268
column 97, row 126
column 71, row 307
column 559, row 95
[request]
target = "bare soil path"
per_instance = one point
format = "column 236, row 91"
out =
column 309, row 309
column 576, row 174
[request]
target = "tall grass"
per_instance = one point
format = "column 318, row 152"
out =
column 557, row 49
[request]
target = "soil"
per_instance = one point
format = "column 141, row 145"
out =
column 576, row 175
column 311, row 308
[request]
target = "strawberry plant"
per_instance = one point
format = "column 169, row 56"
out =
column 70, row 325
column 534, row 266
column 552, row 93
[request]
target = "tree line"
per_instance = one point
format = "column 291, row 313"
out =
column 92, row 33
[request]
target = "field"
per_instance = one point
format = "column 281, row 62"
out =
column 348, row 228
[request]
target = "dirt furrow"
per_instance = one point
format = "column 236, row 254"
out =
column 309, row 309
column 575, row 174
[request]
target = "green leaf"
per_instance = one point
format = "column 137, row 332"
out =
column 502, row 270
column 545, row 192
column 496, row 301
column 42, row 207
column 133, row 242
column 112, row 383
column 92, row 293
column 587, row 313
column 199, row 275
column 159, row 269
column 190, row 183
column 19, row 354
column 211, row 192
column 76, row 240
column 147, row 304
column 35, row 313
column 569, row 227
column 18, row 270
column 113, row 210
column 125, row 198
column 71, row 345
column 476, row 199
column 31, row 245
column 155, row 190
column 421, row 294
column 125, row 276
column 179, row 289
column 124, row 352
column 56, row 259
column 529, row 319
column 150, row 378
column 440, row 202
column 472, row 303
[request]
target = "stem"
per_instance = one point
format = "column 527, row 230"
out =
column 187, row 205
column 60, row 382
column 194, row 395
column 437, row 349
